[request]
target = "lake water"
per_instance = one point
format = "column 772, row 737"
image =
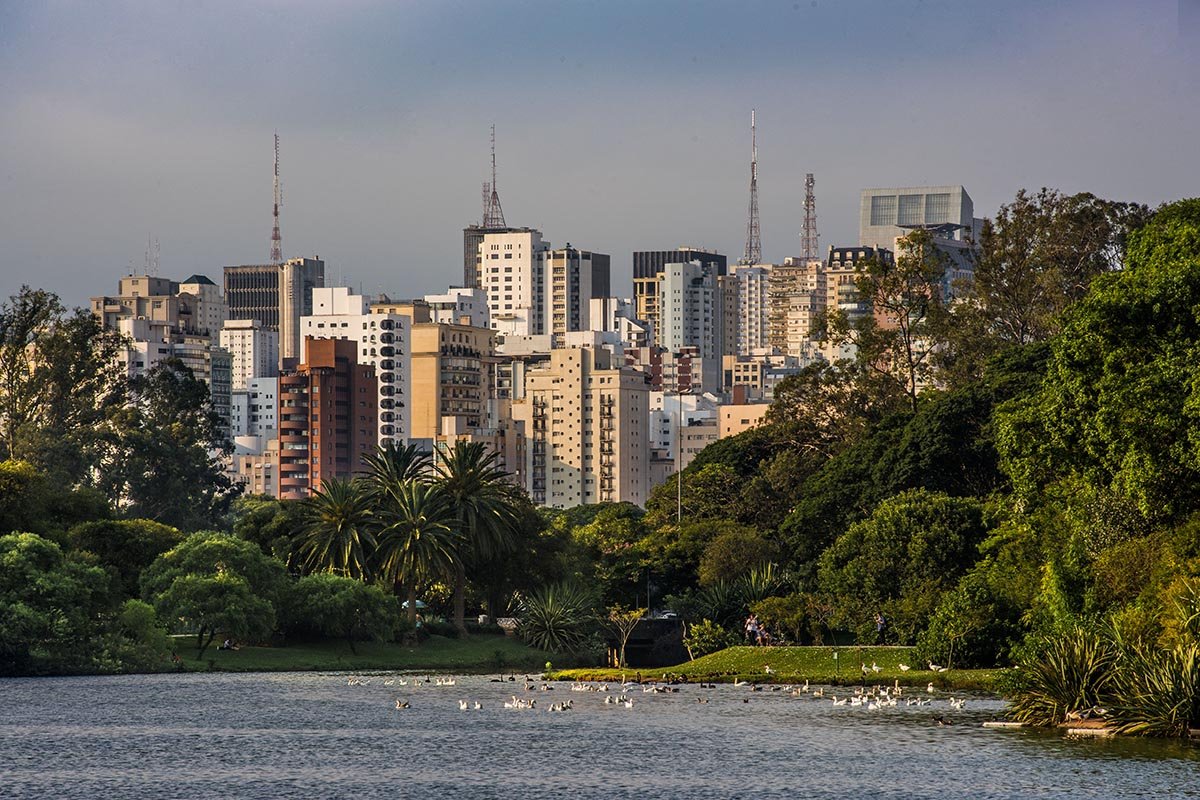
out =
column 309, row 735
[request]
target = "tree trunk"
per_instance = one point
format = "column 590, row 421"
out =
column 412, row 607
column 460, row 600
column 204, row 643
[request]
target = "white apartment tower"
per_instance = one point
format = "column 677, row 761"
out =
column 753, row 307
column 255, row 350
column 689, row 315
column 585, row 422
column 510, row 273
column 459, row 306
column 383, row 342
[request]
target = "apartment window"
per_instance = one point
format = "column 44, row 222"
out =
column 508, row 255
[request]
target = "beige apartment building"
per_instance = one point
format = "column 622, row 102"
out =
column 585, row 421
column 453, row 367
column 738, row 418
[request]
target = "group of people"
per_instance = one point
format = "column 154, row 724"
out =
column 756, row 632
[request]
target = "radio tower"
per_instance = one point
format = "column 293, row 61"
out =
column 753, row 253
column 808, row 237
column 276, row 239
column 493, row 215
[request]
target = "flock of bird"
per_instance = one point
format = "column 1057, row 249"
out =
column 869, row 698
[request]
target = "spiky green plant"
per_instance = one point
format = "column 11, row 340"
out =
column 558, row 617
column 765, row 580
column 1157, row 692
column 1070, row 671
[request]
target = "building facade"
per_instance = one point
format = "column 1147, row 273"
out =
column 253, row 348
column 887, row 214
column 648, row 266
column 327, row 417
column 277, row 295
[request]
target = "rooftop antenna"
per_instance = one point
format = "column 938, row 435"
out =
column 753, row 252
column 808, row 237
column 493, row 214
column 276, row 239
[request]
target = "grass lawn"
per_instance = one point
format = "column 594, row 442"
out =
column 479, row 653
column 798, row 664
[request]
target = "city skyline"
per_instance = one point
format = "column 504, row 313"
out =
column 619, row 128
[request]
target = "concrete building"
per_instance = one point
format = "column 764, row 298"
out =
column 735, row 418
column 254, row 349
column 753, row 308
column 797, row 294
column 255, row 409
column 459, row 306
column 211, row 364
column 573, row 278
column 256, row 465
column 511, row 274
column 585, row 422
column 648, row 266
column 452, row 370
column 887, row 214
column 328, row 416
column 754, row 376
column 689, row 316
column 143, row 297
column 473, row 237
column 202, row 308
column 382, row 339
column 277, row 295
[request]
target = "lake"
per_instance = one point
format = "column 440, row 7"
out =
column 307, row 735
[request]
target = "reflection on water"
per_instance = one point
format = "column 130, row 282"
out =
column 312, row 735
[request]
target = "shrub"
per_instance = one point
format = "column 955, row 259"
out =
column 1061, row 674
column 558, row 617
column 707, row 637
column 1157, row 692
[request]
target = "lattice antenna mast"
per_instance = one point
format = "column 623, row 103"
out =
column 493, row 214
column 808, row 237
column 753, row 252
column 276, row 239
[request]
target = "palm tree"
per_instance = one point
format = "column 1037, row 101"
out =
column 418, row 540
column 337, row 534
column 485, row 506
column 390, row 465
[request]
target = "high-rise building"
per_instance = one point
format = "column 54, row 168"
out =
column 452, row 370
column 327, row 417
column 211, row 364
column 511, row 273
column 573, row 278
column 796, row 296
column 202, row 308
column 689, row 316
column 585, row 423
column 254, row 349
column 887, row 214
column 381, row 337
column 277, row 295
column 648, row 265
column 255, row 409
column 753, row 321
column 459, row 306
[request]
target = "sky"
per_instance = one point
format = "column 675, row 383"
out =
column 620, row 126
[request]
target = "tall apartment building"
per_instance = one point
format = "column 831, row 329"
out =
column 211, row 364
column 510, row 272
column 327, row 417
column 689, row 316
column 616, row 315
column 729, row 302
column 585, row 421
column 796, row 296
column 573, row 278
column 473, row 237
column 254, row 349
column 194, row 306
column 382, row 340
column 452, row 371
column 753, row 323
column 277, row 295
column 887, row 214
column 255, row 409
column 648, row 265
column 202, row 308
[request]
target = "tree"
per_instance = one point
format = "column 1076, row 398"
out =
column 274, row 525
column 417, row 538
column 162, row 451
column 223, row 602
column 706, row 636
column 710, row 491
column 338, row 532
column 125, row 546
column 614, row 556
column 31, row 502
column 733, row 553
column 484, row 504
column 210, row 554
column 621, row 621
column 902, row 559
column 393, row 464
column 344, row 607
column 905, row 319
column 50, row 604
column 1119, row 405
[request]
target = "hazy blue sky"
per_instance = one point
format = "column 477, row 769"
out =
column 620, row 125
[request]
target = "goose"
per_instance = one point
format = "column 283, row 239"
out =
column 701, row 699
column 402, row 704
column 478, row 705
column 930, row 688
column 942, row 721
column 959, row 703
column 767, row 669
column 841, row 702
column 905, row 667
column 628, row 703
column 736, row 682
column 819, row 693
column 937, row 668
column 875, row 667
column 462, row 705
